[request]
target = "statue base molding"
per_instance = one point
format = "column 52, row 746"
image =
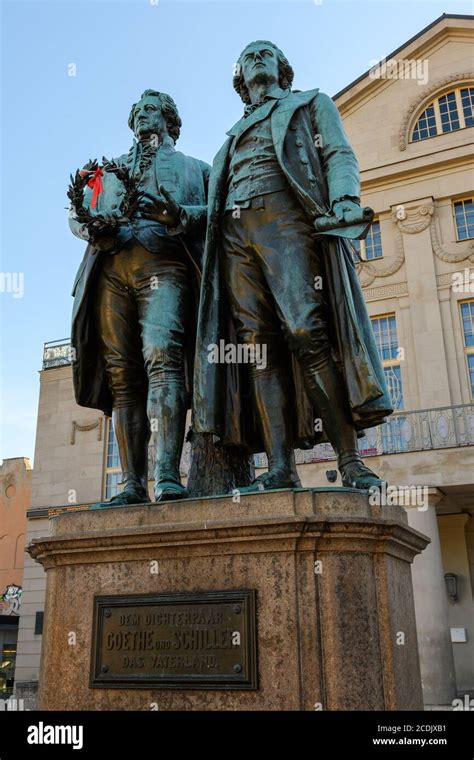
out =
column 286, row 600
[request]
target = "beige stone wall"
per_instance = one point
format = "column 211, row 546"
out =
column 414, row 278
column 15, row 497
column 34, row 590
column 66, row 471
column 456, row 559
column 470, row 546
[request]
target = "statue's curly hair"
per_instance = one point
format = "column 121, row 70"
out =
column 169, row 110
column 286, row 73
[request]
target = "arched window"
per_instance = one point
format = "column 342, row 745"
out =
column 449, row 112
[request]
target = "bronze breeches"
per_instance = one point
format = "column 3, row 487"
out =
column 142, row 307
column 275, row 279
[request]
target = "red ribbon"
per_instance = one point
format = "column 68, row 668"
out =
column 95, row 183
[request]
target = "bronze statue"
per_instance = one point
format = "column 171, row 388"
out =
column 136, row 292
column 283, row 202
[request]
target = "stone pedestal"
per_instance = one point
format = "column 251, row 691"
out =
column 335, row 620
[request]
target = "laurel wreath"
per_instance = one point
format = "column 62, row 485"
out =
column 100, row 223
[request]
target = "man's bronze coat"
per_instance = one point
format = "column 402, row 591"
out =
column 185, row 178
column 317, row 176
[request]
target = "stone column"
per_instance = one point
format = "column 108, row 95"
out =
column 431, row 608
column 431, row 364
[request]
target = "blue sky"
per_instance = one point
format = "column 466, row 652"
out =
column 52, row 123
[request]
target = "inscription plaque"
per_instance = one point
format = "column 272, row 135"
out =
column 198, row 640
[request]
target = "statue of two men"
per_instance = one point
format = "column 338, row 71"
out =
column 270, row 278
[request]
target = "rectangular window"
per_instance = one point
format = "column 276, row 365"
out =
column 393, row 378
column 112, row 482
column 373, row 243
column 113, row 460
column 371, row 247
column 385, row 331
column 467, row 317
column 470, row 367
column 386, row 339
column 113, row 472
column 464, row 218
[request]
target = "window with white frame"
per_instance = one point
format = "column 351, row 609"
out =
column 371, row 247
column 449, row 112
column 463, row 211
column 467, row 318
column 386, row 339
column 113, row 471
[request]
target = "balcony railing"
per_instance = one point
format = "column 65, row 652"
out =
column 424, row 429
column 420, row 430
column 57, row 353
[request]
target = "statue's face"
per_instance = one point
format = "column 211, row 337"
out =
column 149, row 119
column 259, row 64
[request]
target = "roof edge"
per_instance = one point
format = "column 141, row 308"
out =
column 404, row 45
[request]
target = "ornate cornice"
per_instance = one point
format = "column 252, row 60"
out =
column 425, row 95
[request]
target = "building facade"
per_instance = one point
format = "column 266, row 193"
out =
column 15, row 496
column 410, row 122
